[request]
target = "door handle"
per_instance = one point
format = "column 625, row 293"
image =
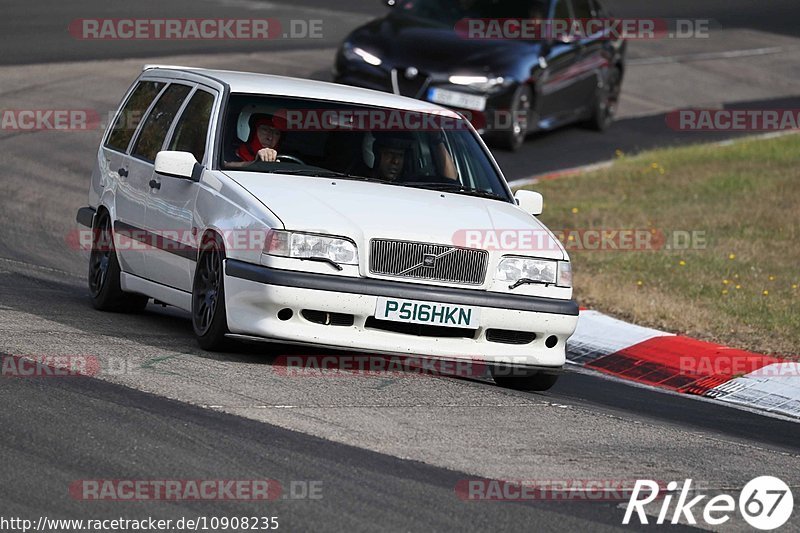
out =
column 155, row 184
column 122, row 173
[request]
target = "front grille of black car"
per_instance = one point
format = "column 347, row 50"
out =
column 428, row 261
column 410, row 86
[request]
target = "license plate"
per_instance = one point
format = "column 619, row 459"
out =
column 430, row 313
column 457, row 99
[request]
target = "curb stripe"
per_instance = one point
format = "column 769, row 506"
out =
column 685, row 365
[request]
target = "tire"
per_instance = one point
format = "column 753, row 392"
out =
column 534, row 381
column 209, row 319
column 513, row 138
column 104, row 272
column 606, row 100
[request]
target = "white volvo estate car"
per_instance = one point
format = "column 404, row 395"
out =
column 311, row 213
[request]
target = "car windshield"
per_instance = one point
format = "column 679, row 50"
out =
column 448, row 12
column 283, row 135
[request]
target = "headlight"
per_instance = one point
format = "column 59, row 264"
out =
column 545, row 271
column 359, row 54
column 310, row 246
column 479, row 83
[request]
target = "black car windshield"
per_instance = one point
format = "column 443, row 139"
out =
column 294, row 136
column 448, row 12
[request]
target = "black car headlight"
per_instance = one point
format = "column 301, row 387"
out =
column 355, row 53
column 479, row 83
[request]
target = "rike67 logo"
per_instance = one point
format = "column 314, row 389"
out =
column 765, row 503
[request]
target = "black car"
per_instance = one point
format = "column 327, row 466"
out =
column 507, row 86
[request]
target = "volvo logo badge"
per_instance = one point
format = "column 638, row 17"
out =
column 411, row 73
column 428, row 261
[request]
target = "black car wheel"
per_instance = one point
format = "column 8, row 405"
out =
column 518, row 380
column 606, row 101
column 104, row 272
column 209, row 318
column 513, row 137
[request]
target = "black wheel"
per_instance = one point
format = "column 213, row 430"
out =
column 516, row 379
column 606, row 102
column 513, row 137
column 209, row 319
column 104, row 272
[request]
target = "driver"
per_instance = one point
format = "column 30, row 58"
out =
column 262, row 145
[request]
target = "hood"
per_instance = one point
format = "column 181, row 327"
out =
column 403, row 41
column 364, row 210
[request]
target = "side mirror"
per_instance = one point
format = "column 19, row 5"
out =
column 530, row 202
column 178, row 165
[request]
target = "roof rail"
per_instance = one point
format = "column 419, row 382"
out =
column 173, row 67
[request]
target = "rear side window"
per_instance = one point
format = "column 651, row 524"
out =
column 131, row 114
column 157, row 123
column 192, row 128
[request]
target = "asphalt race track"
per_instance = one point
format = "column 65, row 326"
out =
column 387, row 451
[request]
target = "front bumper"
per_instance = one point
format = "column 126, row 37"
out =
column 255, row 294
column 494, row 117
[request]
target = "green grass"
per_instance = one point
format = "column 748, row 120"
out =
column 741, row 287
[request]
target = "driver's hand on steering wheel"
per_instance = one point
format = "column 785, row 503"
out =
column 266, row 154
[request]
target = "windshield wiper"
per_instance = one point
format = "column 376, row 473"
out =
column 525, row 281
column 328, row 174
column 331, row 262
column 456, row 188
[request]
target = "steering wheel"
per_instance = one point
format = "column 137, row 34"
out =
column 280, row 158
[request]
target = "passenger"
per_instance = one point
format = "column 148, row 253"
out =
column 444, row 161
column 391, row 151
